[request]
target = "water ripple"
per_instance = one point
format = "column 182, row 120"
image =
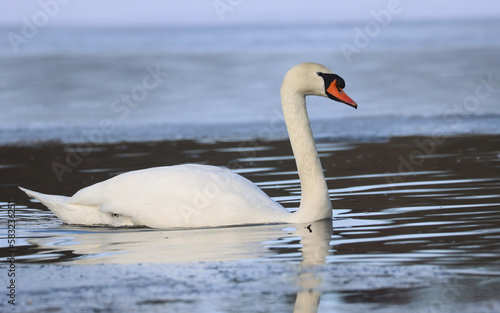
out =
column 444, row 212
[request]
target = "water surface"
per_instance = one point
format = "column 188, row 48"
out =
column 412, row 79
column 393, row 202
column 399, row 204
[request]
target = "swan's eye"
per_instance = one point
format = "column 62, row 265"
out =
column 114, row 215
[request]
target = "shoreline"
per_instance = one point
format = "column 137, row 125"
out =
column 245, row 138
column 360, row 128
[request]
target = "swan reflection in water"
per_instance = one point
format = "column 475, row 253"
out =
column 315, row 240
column 307, row 243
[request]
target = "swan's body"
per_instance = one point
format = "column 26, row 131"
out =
column 206, row 196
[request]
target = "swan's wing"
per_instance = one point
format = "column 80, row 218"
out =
column 182, row 196
column 75, row 213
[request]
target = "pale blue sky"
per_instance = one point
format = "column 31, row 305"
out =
column 230, row 12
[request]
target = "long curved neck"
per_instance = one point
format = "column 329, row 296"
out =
column 315, row 202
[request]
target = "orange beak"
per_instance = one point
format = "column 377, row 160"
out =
column 336, row 93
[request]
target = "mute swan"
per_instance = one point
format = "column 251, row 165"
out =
column 194, row 195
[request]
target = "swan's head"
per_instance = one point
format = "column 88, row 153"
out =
column 316, row 79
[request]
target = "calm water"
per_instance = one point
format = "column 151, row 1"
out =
column 412, row 231
column 411, row 79
column 442, row 208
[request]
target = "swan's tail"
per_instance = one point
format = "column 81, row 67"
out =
column 69, row 213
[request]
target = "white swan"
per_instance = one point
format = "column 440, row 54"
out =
column 193, row 195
